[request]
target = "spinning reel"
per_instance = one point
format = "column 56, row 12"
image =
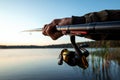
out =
column 74, row 58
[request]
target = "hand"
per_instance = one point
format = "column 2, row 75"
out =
column 50, row 29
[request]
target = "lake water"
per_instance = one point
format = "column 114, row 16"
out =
column 41, row 64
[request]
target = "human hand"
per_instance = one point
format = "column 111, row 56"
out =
column 50, row 29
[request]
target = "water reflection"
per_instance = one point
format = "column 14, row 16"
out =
column 101, row 68
column 41, row 64
column 104, row 65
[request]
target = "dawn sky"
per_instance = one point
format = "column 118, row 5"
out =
column 19, row 15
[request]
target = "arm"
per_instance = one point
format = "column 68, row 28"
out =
column 102, row 16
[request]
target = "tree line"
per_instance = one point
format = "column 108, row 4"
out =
column 68, row 45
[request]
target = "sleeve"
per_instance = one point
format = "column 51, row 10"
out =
column 101, row 16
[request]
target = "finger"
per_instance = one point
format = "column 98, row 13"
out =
column 56, row 35
column 44, row 30
column 50, row 30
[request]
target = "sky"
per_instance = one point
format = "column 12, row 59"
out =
column 19, row 15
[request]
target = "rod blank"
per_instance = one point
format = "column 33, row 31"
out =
column 98, row 27
column 111, row 26
column 33, row 30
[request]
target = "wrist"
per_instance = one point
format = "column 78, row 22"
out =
column 78, row 20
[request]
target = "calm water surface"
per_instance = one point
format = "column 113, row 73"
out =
column 41, row 64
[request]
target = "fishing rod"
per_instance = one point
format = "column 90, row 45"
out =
column 111, row 27
column 97, row 30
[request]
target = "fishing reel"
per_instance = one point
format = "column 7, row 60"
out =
column 75, row 58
